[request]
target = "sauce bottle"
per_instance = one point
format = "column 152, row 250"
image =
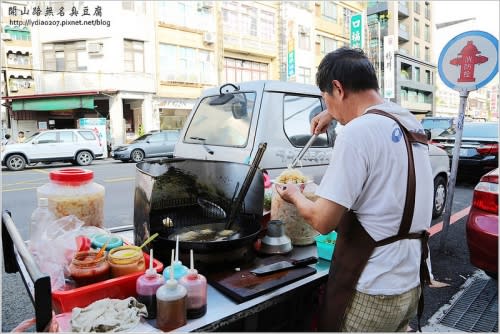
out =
column 178, row 268
column 171, row 304
column 146, row 287
column 196, row 286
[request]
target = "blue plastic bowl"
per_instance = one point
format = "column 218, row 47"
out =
column 326, row 245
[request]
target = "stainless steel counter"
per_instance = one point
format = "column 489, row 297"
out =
column 222, row 311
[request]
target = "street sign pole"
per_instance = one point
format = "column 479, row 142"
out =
column 459, row 69
column 454, row 168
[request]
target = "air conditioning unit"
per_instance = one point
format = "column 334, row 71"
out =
column 208, row 37
column 6, row 36
column 94, row 48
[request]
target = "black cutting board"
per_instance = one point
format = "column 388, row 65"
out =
column 243, row 285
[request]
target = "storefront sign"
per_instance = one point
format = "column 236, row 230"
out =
column 357, row 38
column 389, row 67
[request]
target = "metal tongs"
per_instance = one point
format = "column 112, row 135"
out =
column 303, row 151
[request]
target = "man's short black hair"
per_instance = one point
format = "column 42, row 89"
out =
column 350, row 67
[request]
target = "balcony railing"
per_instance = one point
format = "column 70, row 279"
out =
column 403, row 36
column 403, row 10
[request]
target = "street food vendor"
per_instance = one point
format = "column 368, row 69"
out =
column 375, row 196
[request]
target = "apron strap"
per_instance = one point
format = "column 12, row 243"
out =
column 409, row 207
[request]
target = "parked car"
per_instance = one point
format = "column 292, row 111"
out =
column 478, row 150
column 437, row 125
column 482, row 224
column 151, row 145
column 230, row 126
column 78, row 146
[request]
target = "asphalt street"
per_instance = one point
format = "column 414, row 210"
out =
column 450, row 264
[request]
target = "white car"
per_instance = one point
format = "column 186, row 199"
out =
column 228, row 123
column 78, row 146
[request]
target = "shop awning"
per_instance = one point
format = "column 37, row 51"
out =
column 54, row 103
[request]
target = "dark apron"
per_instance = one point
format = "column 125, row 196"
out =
column 354, row 247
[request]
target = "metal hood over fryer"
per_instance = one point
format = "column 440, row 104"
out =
column 173, row 194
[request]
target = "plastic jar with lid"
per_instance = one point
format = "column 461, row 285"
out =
column 86, row 269
column 71, row 191
column 125, row 260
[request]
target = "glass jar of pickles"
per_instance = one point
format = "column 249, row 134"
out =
column 125, row 260
column 86, row 268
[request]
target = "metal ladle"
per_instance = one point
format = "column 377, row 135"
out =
column 303, row 151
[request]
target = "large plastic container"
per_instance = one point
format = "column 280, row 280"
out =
column 71, row 191
column 296, row 228
column 119, row 288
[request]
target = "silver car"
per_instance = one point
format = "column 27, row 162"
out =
column 151, row 145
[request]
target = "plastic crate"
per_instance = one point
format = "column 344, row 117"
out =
column 326, row 245
column 118, row 287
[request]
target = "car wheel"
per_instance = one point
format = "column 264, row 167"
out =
column 16, row 162
column 439, row 196
column 84, row 158
column 137, row 155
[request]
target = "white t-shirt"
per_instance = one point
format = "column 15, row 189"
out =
column 368, row 174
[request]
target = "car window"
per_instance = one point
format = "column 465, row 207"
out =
column 172, row 135
column 297, row 114
column 156, row 137
column 222, row 121
column 142, row 138
column 66, row 137
column 47, row 138
column 437, row 123
column 87, row 135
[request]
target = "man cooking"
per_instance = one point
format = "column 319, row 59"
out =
column 369, row 194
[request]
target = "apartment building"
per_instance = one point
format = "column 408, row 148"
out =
column 17, row 61
column 410, row 22
column 88, row 61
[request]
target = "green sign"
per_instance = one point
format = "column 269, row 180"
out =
column 357, row 31
column 291, row 63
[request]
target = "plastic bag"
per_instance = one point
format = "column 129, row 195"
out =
column 55, row 244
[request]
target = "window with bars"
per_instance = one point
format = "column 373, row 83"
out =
column 244, row 70
column 134, row 55
column 428, row 77
column 71, row 56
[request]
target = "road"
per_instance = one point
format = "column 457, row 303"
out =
column 450, row 265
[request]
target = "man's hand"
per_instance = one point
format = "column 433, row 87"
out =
column 320, row 122
column 289, row 192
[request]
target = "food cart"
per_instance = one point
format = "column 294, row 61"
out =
column 236, row 299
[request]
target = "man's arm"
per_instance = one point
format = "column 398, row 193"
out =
column 323, row 215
